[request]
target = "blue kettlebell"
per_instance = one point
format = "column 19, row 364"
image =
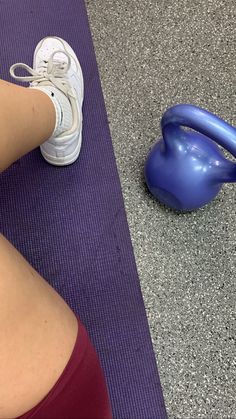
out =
column 186, row 169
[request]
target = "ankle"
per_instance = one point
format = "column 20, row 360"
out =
column 62, row 108
column 43, row 106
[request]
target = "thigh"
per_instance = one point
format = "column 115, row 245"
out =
column 37, row 333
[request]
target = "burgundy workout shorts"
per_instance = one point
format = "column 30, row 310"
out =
column 80, row 392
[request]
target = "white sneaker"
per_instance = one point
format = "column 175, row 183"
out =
column 56, row 66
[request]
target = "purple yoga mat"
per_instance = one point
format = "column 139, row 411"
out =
column 70, row 222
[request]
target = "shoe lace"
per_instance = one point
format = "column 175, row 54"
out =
column 51, row 72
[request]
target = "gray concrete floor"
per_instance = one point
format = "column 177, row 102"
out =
column 151, row 55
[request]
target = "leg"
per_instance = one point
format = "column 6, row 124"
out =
column 27, row 119
column 37, row 328
column 37, row 333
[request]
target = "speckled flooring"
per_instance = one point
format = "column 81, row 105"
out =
column 151, row 55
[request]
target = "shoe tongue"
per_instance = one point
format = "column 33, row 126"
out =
column 55, row 66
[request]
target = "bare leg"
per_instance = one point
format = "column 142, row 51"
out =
column 37, row 328
column 27, row 119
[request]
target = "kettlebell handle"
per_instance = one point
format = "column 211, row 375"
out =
column 200, row 120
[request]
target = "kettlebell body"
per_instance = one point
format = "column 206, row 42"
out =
column 185, row 170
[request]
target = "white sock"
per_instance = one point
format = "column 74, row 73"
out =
column 62, row 106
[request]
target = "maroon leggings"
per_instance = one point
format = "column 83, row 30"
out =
column 80, row 392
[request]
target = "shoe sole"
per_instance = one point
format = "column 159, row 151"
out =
column 71, row 158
